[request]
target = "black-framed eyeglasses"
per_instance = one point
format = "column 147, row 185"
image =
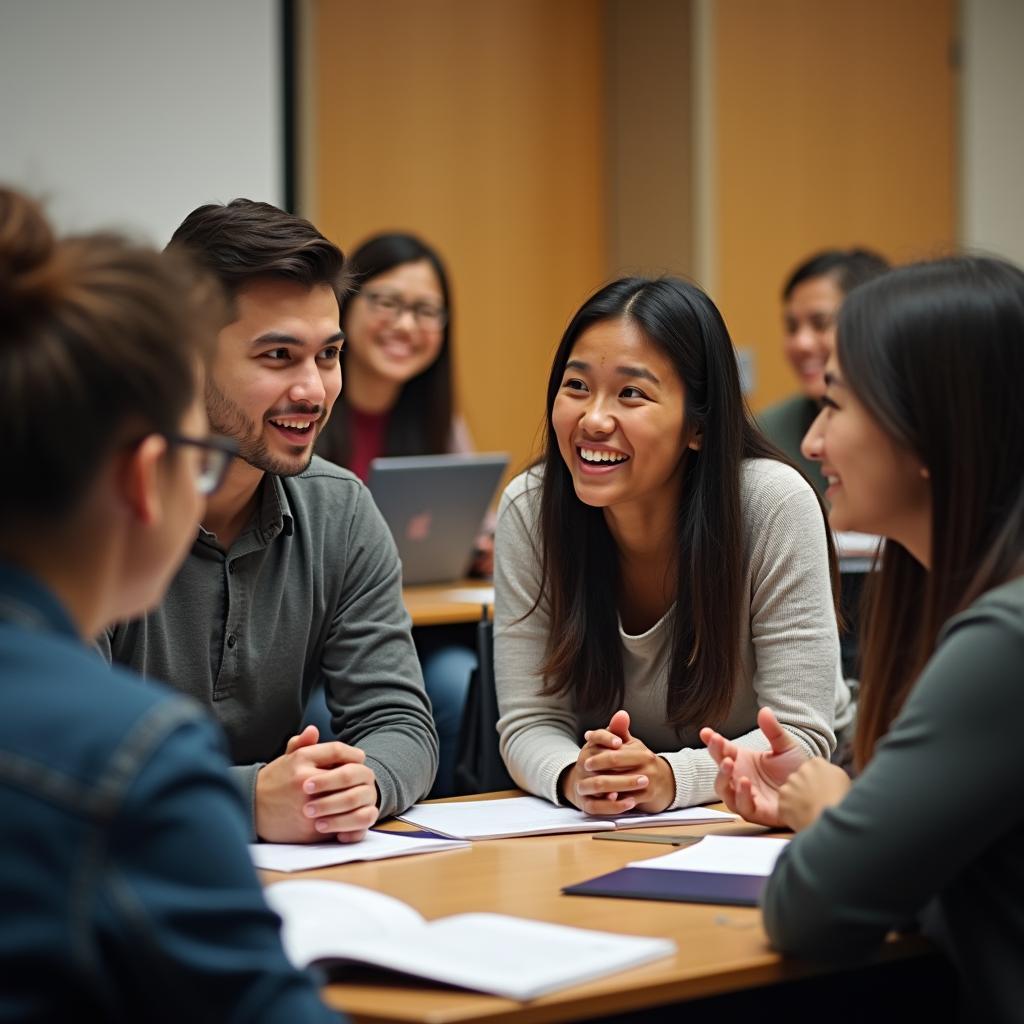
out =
column 392, row 306
column 216, row 453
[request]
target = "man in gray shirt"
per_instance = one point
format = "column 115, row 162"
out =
column 294, row 579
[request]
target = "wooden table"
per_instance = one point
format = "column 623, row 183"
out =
column 720, row 949
column 445, row 604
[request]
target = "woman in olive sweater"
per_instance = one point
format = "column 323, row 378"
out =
column 921, row 439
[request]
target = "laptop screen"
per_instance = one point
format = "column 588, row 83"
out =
column 434, row 506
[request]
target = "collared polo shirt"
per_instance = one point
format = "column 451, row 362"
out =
column 310, row 592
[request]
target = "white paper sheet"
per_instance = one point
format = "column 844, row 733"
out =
column 467, row 595
column 376, row 846
column 725, row 855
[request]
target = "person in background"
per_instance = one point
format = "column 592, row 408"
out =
column 397, row 362
column 921, row 439
column 811, row 297
column 293, row 579
column 661, row 566
column 398, row 400
column 127, row 887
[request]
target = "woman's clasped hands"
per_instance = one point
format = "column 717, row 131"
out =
column 616, row 773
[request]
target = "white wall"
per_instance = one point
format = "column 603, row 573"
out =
column 130, row 113
column 992, row 127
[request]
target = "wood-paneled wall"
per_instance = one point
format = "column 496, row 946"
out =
column 480, row 125
column 543, row 145
column 649, row 108
column 834, row 125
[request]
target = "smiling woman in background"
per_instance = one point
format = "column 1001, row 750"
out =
column 811, row 298
column 397, row 389
column 921, row 440
column 660, row 567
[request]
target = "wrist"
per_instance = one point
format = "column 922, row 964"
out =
column 258, row 792
column 660, row 793
column 670, row 779
column 567, row 785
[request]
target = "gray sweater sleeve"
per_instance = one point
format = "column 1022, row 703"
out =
column 942, row 788
column 373, row 680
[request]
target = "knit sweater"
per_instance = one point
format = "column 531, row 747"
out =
column 788, row 644
column 933, row 828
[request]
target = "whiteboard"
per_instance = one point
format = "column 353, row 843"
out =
column 128, row 114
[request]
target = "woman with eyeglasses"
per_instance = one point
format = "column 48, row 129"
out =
column 125, row 878
column 921, row 439
column 397, row 399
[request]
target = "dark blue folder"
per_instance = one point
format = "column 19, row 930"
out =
column 678, row 886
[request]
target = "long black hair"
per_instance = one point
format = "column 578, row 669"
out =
column 580, row 562
column 935, row 352
column 421, row 421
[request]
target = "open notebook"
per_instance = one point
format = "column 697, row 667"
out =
column 331, row 923
column 532, row 816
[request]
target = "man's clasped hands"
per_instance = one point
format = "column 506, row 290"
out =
column 316, row 791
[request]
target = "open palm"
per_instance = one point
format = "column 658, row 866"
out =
column 749, row 781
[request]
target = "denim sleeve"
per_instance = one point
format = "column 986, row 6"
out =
column 180, row 905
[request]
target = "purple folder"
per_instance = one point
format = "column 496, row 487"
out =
column 678, row 886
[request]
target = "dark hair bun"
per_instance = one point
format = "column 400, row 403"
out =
column 30, row 274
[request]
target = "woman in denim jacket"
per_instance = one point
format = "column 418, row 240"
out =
column 127, row 889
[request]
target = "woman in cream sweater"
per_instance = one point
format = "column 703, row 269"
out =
column 661, row 568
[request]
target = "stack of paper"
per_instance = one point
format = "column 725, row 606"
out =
column 718, row 869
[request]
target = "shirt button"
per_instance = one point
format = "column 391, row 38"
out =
column 231, row 568
column 232, row 640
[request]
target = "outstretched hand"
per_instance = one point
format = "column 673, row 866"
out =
column 749, row 780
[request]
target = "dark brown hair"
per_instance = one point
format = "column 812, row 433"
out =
column 98, row 336
column 421, row 421
column 580, row 561
column 935, row 352
column 847, row 267
column 245, row 240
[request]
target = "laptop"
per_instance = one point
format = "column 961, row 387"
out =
column 434, row 506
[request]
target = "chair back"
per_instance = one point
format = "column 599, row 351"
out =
column 479, row 768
